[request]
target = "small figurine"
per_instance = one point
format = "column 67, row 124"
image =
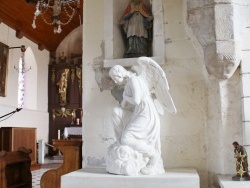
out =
column 241, row 162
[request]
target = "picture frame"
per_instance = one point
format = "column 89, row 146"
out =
column 4, row 53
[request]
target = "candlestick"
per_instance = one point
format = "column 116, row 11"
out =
column 58, row 136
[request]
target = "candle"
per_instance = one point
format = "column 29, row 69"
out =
column 58, row 136
column 77, row 121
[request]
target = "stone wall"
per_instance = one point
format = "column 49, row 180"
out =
column 201, row 42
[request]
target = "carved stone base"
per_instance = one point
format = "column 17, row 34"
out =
column 237, row 178
column 123, row 160
column 98, row 177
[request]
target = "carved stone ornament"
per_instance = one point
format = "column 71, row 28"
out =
column 224, row 62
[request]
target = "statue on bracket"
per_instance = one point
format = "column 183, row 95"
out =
column 136, row 120
column 137, row 22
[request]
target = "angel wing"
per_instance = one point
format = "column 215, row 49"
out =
column 157, row 82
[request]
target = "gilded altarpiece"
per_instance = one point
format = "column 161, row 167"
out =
column 65, row 96
column 4, row 51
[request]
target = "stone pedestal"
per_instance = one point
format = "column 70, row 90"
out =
column 226, row 181
column 98, row 177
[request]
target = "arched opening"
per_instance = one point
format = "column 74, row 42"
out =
column 27, row 81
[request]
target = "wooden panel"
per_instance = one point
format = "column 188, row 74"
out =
column 28, row 142
column 16, row 137
column 6, row 142
column 15, row 169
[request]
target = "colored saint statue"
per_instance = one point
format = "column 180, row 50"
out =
column 137, row 25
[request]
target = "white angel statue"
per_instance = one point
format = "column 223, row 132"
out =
column 136, row 121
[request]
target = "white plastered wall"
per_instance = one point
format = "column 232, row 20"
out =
column 96, row 104
column 27, row 117
column 209, row 110
column 184, row 135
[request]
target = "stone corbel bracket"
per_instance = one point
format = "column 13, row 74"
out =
column 221, row 59
column 218, row 26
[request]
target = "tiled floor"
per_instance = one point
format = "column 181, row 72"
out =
column 36, row 177
column 37, row 174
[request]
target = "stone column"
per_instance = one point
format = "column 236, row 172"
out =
column 245, row 98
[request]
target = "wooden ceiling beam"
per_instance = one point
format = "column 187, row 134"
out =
column 41, row 47
column 31, row 1
column 18, row 15
column 19, row 34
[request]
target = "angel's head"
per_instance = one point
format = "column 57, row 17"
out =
column 118, row 74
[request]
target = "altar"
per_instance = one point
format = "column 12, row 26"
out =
column 98, row 177
column 72, row 132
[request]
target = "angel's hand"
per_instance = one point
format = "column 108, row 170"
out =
column 123, row 104
column 130, row 100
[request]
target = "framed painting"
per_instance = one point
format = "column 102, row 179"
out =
column 4, row 51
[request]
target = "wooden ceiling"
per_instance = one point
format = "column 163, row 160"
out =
column 18, row 14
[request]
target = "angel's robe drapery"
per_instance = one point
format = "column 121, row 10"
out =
column 144, row 123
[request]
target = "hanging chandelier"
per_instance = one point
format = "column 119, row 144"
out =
column 56, row 12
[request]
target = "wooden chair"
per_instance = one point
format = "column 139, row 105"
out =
column 15, row 168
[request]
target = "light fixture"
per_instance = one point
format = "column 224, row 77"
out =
column 56, row 12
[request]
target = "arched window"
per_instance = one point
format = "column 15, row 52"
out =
column 27, row 80
column 21, row 82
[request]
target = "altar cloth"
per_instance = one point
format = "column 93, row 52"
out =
column 99, row 178
column 72, row 131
